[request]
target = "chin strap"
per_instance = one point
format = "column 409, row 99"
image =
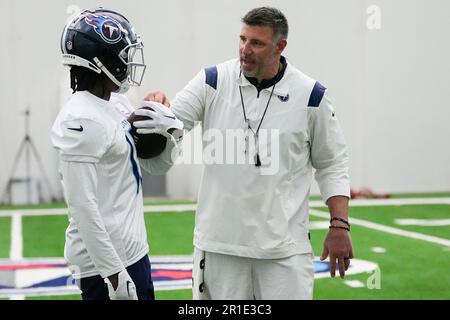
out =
column 70, row 60
column 123, row 86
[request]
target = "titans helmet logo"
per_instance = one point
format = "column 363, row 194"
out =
column 106, row 27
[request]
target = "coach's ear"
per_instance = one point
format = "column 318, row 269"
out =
column 281, row 45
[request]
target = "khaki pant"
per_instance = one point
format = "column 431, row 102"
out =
column 224, row 277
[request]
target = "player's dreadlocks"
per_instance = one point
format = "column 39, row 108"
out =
column 83, row 79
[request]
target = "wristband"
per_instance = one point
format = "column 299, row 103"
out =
column 338, row 227
column 340, row 219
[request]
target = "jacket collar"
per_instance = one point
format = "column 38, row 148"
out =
column 282, row 85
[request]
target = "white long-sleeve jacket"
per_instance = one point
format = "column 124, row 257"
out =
column 261, row 212
column 102, row 184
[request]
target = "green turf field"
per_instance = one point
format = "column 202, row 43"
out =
column 5, row 236
column 408, row 269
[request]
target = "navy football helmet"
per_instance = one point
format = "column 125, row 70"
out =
column 104, row 41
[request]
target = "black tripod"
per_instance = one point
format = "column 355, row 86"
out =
column 29, row 148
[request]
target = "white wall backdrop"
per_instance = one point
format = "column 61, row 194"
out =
column 389, row 77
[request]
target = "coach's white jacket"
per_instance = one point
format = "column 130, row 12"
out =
column 261, row 212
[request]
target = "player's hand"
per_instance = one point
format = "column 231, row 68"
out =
column 125, row 290
column 161, row 119
column 338, row 245
column 159, row 97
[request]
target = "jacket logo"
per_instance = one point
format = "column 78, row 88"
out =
column 284, row 98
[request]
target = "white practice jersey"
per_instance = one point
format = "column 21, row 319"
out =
column 102, row 184
column 261, row 212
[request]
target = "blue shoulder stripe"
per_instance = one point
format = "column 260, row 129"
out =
column 211, row 77
column 316, row 95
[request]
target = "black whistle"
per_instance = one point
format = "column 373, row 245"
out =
column 258, row 161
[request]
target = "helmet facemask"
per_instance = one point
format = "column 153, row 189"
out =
column 132, row 56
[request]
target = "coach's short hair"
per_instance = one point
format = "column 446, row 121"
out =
column 268, row 16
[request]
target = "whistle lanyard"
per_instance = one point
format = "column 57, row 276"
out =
column 256, row 133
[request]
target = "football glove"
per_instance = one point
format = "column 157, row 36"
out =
column 126, row 290
column 161, row 119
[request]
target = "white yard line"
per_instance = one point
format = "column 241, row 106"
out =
column 171, row 208
column 387, row 202
column 397, row 202
column 35, row 212
column 387, row 229
column 192, row 207
column 354, row 283
column 63, row 211
column 423, row 222
column 16, row 251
